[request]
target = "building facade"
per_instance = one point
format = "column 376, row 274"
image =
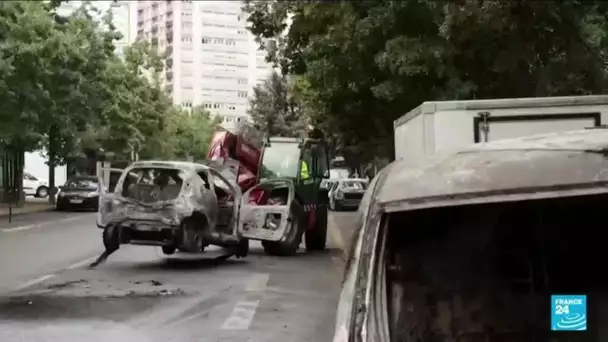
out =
column 212, row 59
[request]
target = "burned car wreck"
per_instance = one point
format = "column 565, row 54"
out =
column 175, row 205
column 471, row 245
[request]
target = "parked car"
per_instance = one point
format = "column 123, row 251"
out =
column 470, row 246
column 328, row 184
column 33, row 186
column 347, row 193
column 80, row 192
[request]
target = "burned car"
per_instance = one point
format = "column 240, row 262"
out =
column 175, row 205
column 472, row 245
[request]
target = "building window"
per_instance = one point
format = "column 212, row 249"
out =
column 187, row 39
column 242, row 81
column 242, row 94
column 206, row 40
column 230, row 42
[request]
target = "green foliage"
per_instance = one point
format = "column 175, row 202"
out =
column 186, row 134
column 275, row 107
column 363, row 64
column 63, row 88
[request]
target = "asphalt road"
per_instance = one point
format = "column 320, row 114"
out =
column 47, row 293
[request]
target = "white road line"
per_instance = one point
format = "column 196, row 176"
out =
column 18, row 229
column 242, row 315
column 81, row 263
column 30, row 226
column 34, row 282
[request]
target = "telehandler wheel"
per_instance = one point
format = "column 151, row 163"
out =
column 168, row 250
column 316, row 238
column 289, row 247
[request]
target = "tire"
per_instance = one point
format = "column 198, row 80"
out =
column 42, row 192
column 316, row 238
column 242, row 249
column 337, row 206
column 168, row 250
column 61, row 206
column 289, row 247
column 110, row 238
column 192, row 237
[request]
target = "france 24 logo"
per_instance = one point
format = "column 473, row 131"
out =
column 569, row 312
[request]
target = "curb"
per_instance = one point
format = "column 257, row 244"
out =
column 33, row 211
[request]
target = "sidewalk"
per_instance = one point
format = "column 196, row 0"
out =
column 35, row 205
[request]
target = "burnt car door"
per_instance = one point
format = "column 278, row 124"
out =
column 228, row 196
column 108, row 179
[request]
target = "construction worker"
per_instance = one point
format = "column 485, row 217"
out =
column 304, row 170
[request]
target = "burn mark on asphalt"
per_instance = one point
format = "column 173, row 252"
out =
column 116, row 306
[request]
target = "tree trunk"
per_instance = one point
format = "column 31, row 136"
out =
column 52, row 152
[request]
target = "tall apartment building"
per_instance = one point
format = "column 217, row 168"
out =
column 122, row 18
column 212, row 60
column 121, row 15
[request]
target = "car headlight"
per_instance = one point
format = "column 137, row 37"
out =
column 91, row 194
column 61, row 194
column 339, row 195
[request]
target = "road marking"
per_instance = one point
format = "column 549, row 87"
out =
column 242, row 315
column 30, row 226
column 81, row 263
column 34, row 282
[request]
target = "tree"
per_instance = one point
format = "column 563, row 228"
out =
column 188, row 134
column 367, row 63
column 63, row 88
column 275, row 108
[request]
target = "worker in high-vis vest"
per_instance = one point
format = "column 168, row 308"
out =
column 304, row 171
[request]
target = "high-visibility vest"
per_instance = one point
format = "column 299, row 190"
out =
column 304, row 171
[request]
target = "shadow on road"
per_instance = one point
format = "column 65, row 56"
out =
column 176, row 264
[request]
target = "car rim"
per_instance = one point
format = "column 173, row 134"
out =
column 42, row 192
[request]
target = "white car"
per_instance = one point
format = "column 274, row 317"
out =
column 33, row 186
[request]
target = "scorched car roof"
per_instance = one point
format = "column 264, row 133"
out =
column 540, row 166
column 207, row 164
